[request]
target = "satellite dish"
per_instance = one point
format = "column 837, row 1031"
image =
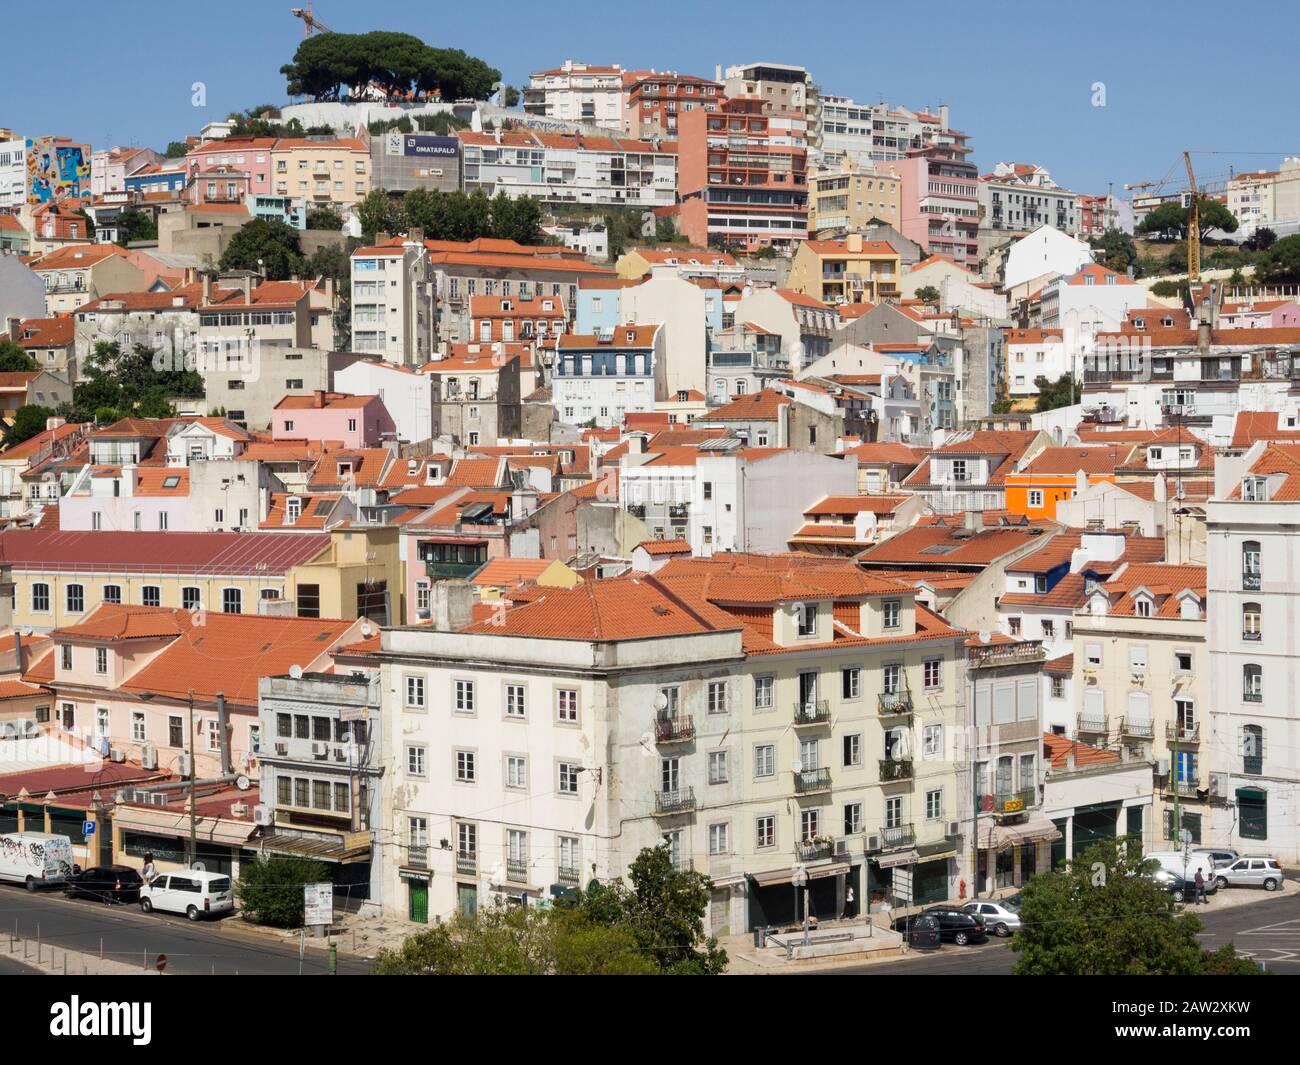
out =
column 661, row 701
column 242, row 782
column 295, row 671
column 796, row 766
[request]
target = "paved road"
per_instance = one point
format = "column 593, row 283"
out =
column 129, row 935
column 1268, row 931
column 9, row 967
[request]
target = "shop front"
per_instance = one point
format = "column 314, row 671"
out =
column 775, row 901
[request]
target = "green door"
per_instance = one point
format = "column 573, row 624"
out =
column 466, row 899
column 417, row 908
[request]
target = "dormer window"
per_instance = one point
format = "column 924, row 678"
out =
column 345, row 469
column 1139, row 323
column 807, row 617
column 1167, row 322
column 293, row 510
column 1254, row 489
column 1142, row 606
column 631, row 336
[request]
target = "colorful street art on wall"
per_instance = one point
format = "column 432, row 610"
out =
column 57, row 170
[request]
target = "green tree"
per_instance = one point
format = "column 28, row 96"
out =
column 117, row 384
column 516, row 219
column 1099, row 917
column 1261, row 240
column 380, row 213
column 177, row 150
column 1280, row 263
column 13, row 359
column 324, row 218
column 927, row 293
column 517, row 941
column 510, row 98
column 135, row 225
column 269, row 890
column 1170, row 219
column 1117, row 248
column 267, row 246
column 27, row 423
column 397, row 63
column 1054, row 394
column 664, row 909
column 1226, row 962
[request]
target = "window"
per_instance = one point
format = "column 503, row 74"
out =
column 75, row 598
column 934, row 805
column 893, row 610
column 465, row 767
column 1092, row 655
column 566, row 706
column 932, row 741
column 717, row 767
column 807, row 619
column 137, row 726
column 464, row 697
column 101, row 659
column 1252, row 683
column 1027, row 776
column 232, row 601
column 852, row 818
column 1183, row 661
column 719, row 838
column 151, row 595
column 1250, row 622
column 112, row 594
column 1014, row 625
column 894, row 812
column 1137, row 656
column 68, row 716
column 851, row 682
column 717, row 697
column 190, row 599
column 415, row 760
column 65, row 656
column 415, row 693
column 41, row 598
column 568, row 778
column 1058, row 687
column 176, row 731
column 1252, row 749
column 765, row 760
column 1251, row 558
column 765, row 831
column 515, row 704
column 1035, row 497
column 853, row 749
column 516, row 771
column 763, row 687
column 932, row 674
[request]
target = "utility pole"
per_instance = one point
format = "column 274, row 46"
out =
column 194, row 832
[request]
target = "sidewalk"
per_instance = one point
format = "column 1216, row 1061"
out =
column 59, row 962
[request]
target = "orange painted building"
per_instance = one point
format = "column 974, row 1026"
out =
column 1053, row 475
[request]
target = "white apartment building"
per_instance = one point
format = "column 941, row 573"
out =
column 606, row 375
column 13, row 169
column 1022, row 197
column 578, row 92
column 545, row 750
column 561, row 168
column 392, row 303
column 1253, row 741
column 1041, row 254
column 410, row 397
column 1250, row 199
column 872, row 133
column 1033, row 353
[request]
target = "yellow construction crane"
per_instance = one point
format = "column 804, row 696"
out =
column 310, row 23
column 1193, row 226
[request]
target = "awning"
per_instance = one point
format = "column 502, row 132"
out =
column 785, row 876
column 177, row 823
column 324, row 848
column 1000, row 837
column 890, row 861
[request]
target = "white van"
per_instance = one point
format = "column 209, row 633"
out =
column 35, row 858
column 1173, row 861
column 193, row 892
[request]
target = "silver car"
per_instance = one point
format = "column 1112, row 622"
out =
column 1253, row 870
column 999, row 918
column 1219, row 856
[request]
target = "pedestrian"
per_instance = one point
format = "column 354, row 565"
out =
column 149, row 872
column 849, row 910
column 1200, row 888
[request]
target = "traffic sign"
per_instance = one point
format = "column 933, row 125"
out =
column 87, row 828
column 161, row 963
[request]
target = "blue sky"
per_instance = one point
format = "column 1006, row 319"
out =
column 1018, row 76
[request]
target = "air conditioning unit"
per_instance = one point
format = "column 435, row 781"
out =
column 873, row 843
column 116, row 754
column 1218, row 785
column 281, row 749
column 320, row 750
column 262, row 815
column 841, row 848
column 184, row 764
column 155, row 798
column 952, row 828
column 238, row 809
column 1162, row 767
column 149, row 756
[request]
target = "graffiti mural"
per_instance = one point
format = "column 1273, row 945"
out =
column 58, row 171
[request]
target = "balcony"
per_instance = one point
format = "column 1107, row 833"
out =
column 674, row 801
column 517, row 870
column 1008, row 803
column 1096, row 726
column 893, row 836
column 417, row 857
column 891, row 769
column 451, row 570
column 811, row 781
column 1005, row 654
column 1176, row 733
column 895, row 702
column 674, row 729
column 467, row 863
column 1250, row 582
column 1142, row 730
column 568, row 875
column 815, row 850
column 1185, row 789
column 812, row 712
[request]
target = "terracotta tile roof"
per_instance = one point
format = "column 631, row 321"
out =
column 474, row 358
column 1034, row 336
column 77, row 256
column 12, row 688
column 503, row 572
column 799, row 299
column 316, row 511
column 762, row 406
column 1252, row 425
column 935, row 545
column 1059, row 749
column 1060, row 667
column 324, row 401
column 366, row 465
column 886, row 453
column 1069, row 460
column 642, row 336
column 886, row 504
column 47, row 332
column 1165, row 580
column 140, row 552
column 665, row 547
column 110, row 622
column 475, row 473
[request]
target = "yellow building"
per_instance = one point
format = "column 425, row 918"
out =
column 61, row 577
column 851, row 270
column 851, row 196
column 79, row 273
column 322, row 172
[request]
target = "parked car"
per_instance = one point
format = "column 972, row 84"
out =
column 1181, row 890
column 998, row 917
column 1220, row 856
column 954, row 925
column 194, row 892
column 1186, row 867
column 1253, row 870
column 109, row 883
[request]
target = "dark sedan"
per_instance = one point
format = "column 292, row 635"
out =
column 954, row 926
column 108, row 883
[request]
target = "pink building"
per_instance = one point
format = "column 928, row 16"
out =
column 249, row 155
column 940, row 202
column 354, row 421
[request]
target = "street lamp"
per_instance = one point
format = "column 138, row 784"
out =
column 799, row 878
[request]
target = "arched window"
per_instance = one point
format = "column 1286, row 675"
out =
column 1250, row 624
column 1252, row 749
column 1252, row 683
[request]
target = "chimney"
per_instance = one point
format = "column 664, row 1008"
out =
column 415, row 235
column 20, row 653
column 853, row 242
column 1080, row 482
column 636, row 445
column 973, row 521
column 15, row 327
column 248, row 289
column 1160, row 489
column 207, row 287
column 450, row 605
